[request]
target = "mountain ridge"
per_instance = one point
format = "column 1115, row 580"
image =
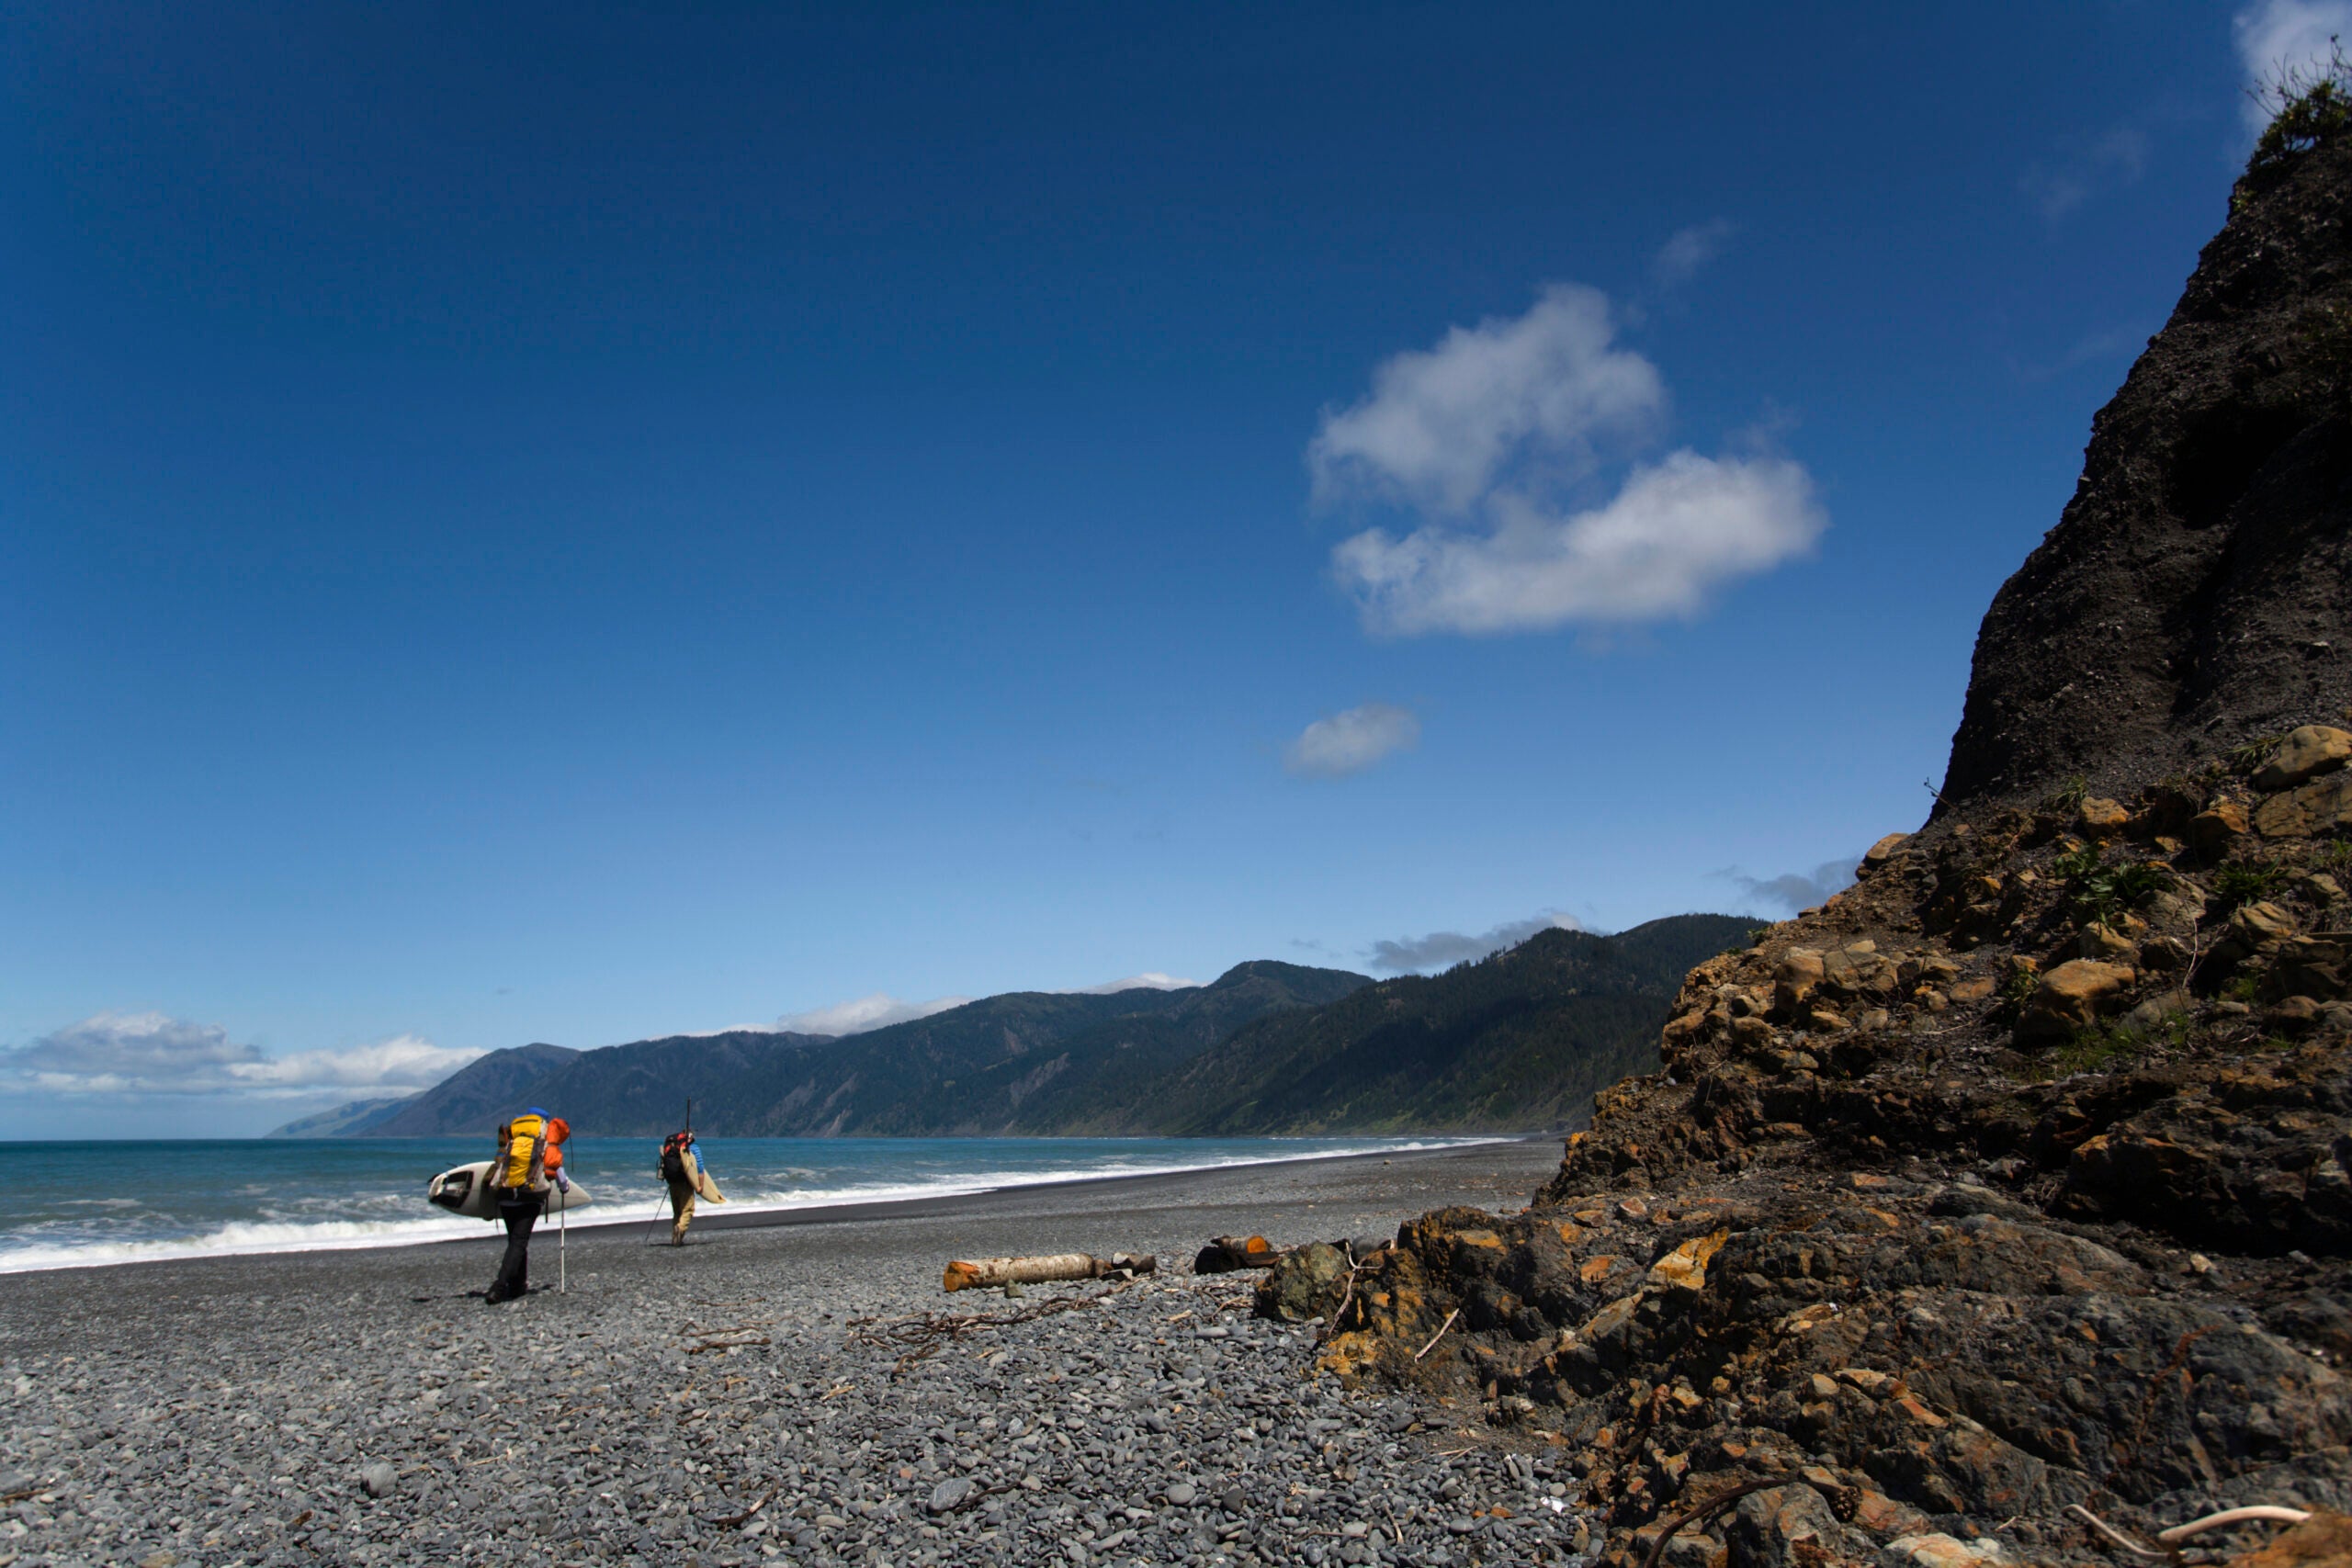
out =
column 1268, row 1047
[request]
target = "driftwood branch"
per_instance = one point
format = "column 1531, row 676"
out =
column 731, row 1520
column 2227, row 1516
column 2117, row 1536
column 1439, row 1335
column 926, row 1334
column 988, row 1271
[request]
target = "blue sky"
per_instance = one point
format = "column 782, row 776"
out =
column 573, row 523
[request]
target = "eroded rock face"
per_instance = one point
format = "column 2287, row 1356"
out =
column 2018, row 1174
column 2198, row 592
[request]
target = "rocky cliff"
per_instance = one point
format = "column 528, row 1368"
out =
column 2019, row 1178
column 2197, row 594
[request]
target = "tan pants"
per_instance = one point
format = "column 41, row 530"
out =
column 681, row 1210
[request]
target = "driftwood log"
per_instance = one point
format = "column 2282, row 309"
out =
column 989, row 1272
column 1226, row 1254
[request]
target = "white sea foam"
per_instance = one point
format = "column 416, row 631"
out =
column 623, row 1206
column 238, row 1239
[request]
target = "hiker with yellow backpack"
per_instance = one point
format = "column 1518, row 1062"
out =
column 529, row 1160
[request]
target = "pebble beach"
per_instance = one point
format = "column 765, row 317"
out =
column 773, row 1392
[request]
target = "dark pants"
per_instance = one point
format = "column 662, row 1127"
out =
column 519, row 1208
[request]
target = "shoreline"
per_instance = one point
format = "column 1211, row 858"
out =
column 975, row 1200
column 767, row 1394
column 943, row 1204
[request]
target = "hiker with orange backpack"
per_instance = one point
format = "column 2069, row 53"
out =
column 529, row 1160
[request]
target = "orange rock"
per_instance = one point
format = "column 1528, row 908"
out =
column 2307, row 752
column 2317, row 806
column 2211, row 829
column 2069, row 997
column 2099, row 815
column 1685, row 1269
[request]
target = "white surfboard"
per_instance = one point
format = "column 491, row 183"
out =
column 700, row 1180
column 465, row 1189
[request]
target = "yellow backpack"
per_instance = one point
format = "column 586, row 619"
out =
column 522, row 1153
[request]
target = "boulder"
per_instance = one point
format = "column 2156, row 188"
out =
column 2069, row 997
column 2322, row 804
column 2308, row 752
column 2214, row 830
column 2253, row 927
column 1304, row 1283
column 2313, row 966
column 2105, row 943
column 1874, row 859
column 1225, row 1254
column 1786, row 1528
column 1800, row 971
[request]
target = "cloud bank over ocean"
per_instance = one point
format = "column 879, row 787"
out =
column 154, row 1054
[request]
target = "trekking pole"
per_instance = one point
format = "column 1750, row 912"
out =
column 563, row 1237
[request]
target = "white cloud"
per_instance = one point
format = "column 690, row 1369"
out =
column 1149, row 980
column 2287, row 38
column 1677, row 530
column 1484, row 433
column 1682, row 257
column 1439, row 423
column 152, row 1052
column 1351, row 742
column 2058, row 189
column 1443, row 949
column 403, row 1061
column 877, row 1012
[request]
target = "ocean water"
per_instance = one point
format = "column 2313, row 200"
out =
column 77, row 1204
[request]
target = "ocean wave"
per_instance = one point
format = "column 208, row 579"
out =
column 237, row 1238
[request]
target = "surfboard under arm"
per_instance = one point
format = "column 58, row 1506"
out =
column 465, row 1189
column 705, row 1188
